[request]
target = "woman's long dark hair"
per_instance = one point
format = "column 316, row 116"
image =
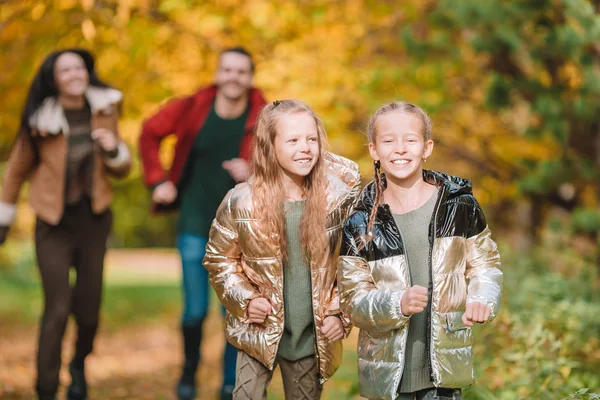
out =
column 44, row 86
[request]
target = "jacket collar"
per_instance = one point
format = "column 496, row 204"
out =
column 50, row 118
column 344, row 178
column 453, row 185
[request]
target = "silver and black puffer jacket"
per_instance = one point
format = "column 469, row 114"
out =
column 464, row 267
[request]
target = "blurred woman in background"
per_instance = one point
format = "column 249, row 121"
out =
column 67, row 146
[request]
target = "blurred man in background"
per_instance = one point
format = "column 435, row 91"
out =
column 214, row 130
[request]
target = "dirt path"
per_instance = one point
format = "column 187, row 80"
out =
column 135, row 362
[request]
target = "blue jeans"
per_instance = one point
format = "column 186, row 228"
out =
column 196, row 294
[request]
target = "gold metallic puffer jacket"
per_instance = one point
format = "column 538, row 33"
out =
column 244, row 262
column 463, row 268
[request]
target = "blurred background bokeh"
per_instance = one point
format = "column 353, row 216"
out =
column 513, row 87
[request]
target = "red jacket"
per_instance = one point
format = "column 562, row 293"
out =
column 184, row 118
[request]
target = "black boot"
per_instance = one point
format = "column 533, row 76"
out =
column 45, row 393
column 192, row 336
column 78, row 388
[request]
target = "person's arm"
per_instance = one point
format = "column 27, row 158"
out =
column 154, row 130
column 223, row 262
column 20, row 164
column 115, row 153
column 333, row 308
column 370, row 308
column 483, row 274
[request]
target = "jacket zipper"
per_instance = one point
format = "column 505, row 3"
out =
column 315, row 325
column 313, row 310
column 397, row 384
column 430, row 262
column 282, row 310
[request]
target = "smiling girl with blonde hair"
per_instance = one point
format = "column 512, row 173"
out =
column 418, row 267
column 273, row 253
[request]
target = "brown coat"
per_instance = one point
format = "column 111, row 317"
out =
column 47, row 171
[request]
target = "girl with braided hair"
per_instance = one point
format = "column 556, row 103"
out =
column 418, row 267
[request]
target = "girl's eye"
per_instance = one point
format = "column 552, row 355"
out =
column 387, row 141
column 313, row 139
column 292, row 140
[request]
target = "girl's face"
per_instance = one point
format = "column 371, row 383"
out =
column 297, row 145
column 400, row 145
column 70, row 75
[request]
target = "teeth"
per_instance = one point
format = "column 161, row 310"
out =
column 303, row 161
column 400, row 162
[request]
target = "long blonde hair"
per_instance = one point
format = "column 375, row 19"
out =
column 267, row 186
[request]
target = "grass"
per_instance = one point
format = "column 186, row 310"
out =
column 123, row 303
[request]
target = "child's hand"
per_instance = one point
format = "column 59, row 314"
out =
column 476, row 312
column 258, row 310
column 414, row 300
column 333, row 329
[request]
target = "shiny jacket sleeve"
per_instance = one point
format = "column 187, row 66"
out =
column 223, row 262
column 370, row 308
column 484, row 277
column 334, row 305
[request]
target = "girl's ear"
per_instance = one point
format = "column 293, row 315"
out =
column 373, row 151
column 428, row 149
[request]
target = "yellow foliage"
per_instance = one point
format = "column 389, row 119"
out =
column 124, row 12
column 37, row 12
column 88, row 4
column 167, row 151
column 545, row 78
column 343, row 58
column 66, row 4
column 88, row 29
column 571, row 74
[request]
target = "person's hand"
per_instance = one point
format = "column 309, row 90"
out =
column 238, row 168
column 476, row 312
column 3, row 234
column 414, row 300
column 333, row 328
column 259, row 309
column 165, row 193
column 106, row 139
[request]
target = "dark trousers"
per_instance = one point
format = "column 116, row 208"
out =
column 432, row 394
column 79, row 242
